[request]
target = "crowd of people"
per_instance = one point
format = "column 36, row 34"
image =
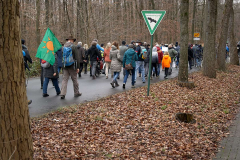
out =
column 132, row 60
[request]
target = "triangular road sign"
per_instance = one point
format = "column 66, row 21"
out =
column 152, row 19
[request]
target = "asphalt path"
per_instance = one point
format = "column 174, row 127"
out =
column 91, row 90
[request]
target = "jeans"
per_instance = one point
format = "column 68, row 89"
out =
column 55, row 83
column 126, row 76
column 93, row 65
column 198, row 61
column 140, row 64
column 59, row 69
column 146, row 67
column 159, row 67
column 116, row 74
column 41, row 77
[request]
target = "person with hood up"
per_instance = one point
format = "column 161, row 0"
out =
column 116, row 64
column 166, row 63
column 81, row 56
column 130, row 56
column 51, row 73
column 154, row 61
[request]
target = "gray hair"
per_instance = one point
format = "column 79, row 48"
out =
column 130, row 46
column 80, row 43
column 94, row 43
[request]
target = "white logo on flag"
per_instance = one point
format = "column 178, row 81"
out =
column 153, row 19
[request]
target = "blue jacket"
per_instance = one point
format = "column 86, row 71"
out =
column 99, row 48
column 59, row 57
column 130, row 56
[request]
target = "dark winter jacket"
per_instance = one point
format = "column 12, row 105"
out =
column 148, row 56
column 48, row 72
column 122, row 50
column 27, row 56
column 178, row 51
column 138, row 51
column 196, row 51
column 130, row 56
column 81, row 53
column 190, row 53
column 59, row 57
column 93, row 52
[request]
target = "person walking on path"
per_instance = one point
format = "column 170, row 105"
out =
column 146, row 61
column 94, row 53
column 107, row 58
column 59, row 59
column 177, row 48
column 130, row 56
column 190, row 56
column 86, row 60
column 51, row 72
column 26, row 58
column 71, row 70
column 166, row 63
column 116, row 64
column 154, row 62
column 123, row 48
column 160, row 57
column 172, row 53
column 81, row 56
column 140, row 62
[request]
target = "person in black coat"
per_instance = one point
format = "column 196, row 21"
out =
column 190, row 56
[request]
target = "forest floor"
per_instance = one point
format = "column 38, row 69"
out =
column 132, row 125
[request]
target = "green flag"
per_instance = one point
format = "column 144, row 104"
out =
column 48, row 47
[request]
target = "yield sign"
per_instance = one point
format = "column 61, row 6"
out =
column 152, row 19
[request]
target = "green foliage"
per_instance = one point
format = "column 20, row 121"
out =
column 164, row 107
column 35, row 69
column 226, row 111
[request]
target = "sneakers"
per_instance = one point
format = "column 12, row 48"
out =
column 45, row 95
column 106, row 77
column 123, row 86
column 62, row 96
column 58, row 93
column 112, row 85
column 139, row 74
column 29, row 102
column 116, row 84
column 133, row 86
column 143, row 81
column 77, row 95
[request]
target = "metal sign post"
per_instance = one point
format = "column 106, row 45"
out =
column 152, row 19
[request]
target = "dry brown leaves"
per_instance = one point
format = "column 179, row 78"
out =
column 131, row 125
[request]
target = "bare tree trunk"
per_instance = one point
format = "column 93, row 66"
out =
column 193, row 19
column 47, row 12
column 37, row 21
column 221, row 53
column 15, row 133
column 209, row 55
column 184, row 16
column 233, row 49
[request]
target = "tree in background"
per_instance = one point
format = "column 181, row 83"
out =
column 15, row 133
column 184, row 37
column 209, row 57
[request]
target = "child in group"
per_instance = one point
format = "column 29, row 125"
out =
column 166, row 61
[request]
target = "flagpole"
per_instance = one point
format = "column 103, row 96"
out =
column 150, row 65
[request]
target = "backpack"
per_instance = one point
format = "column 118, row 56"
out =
column 67, row 56
column 45, row 64
column 143, row 53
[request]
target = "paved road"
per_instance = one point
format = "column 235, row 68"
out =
column 229, row 149
column 90, row 89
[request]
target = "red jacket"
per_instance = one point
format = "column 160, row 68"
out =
column 160, row 56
